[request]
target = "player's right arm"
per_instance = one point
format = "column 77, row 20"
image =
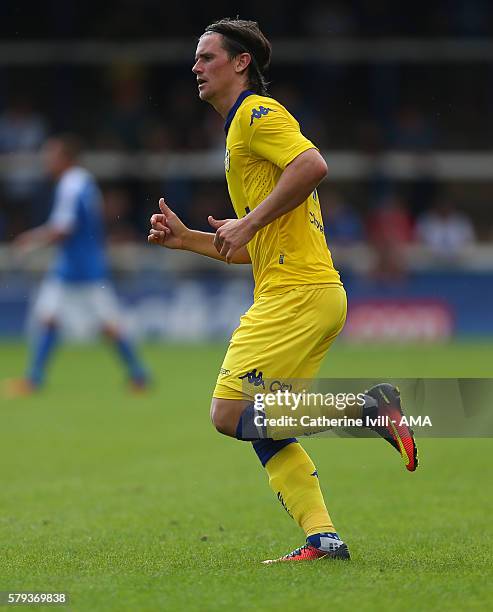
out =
column 169, row 231
column 38, row 237
column 60, row 224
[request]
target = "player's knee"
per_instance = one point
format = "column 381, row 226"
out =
column 221, row 418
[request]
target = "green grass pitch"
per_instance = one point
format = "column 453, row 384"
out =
column 136, row 503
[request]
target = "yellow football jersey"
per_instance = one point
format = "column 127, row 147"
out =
column 262, row 139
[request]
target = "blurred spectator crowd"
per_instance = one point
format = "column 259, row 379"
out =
column 150, row 18
column 368, row 108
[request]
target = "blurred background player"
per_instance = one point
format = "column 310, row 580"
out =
column 79, row 275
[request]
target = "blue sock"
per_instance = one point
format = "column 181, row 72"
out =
column 328, row 542
column 129, row 357
column 268, row 447
column 247, row 430
column 44, row 344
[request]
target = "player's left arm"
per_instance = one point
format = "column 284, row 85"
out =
column 298, row 180
column 273, row 135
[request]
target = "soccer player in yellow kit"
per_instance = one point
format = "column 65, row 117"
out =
column 299, row 306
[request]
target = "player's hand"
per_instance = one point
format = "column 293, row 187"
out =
column 231, row 235
column 24, row 244
column 22, row 240
column 166, row 228
column 217, row 223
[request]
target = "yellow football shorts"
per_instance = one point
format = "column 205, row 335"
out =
column 281, row 336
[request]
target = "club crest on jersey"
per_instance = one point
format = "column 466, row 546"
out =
column 260, row 112
column 227, row 160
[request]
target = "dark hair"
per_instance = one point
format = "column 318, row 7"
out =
column 241, row 36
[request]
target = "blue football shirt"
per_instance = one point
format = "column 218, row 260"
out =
column 77, row 211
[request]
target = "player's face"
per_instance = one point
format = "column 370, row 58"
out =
column 54, row 157
column 213, row 68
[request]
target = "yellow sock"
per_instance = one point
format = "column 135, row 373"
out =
column 294, row 480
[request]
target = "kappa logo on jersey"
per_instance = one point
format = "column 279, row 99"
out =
column 257, row 114
column 253, row 378
column 227, row 160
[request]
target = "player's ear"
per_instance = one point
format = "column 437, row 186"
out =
column 242, row 61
